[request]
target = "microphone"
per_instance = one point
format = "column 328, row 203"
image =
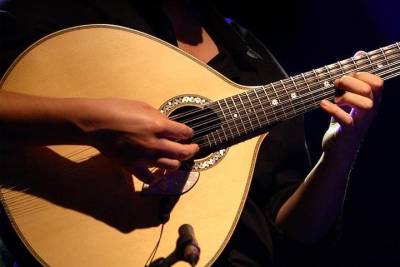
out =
column 187, row 244
column 187, row 249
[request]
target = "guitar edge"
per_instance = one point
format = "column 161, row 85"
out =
column 68, row 203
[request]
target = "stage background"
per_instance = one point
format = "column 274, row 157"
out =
column 307, row 34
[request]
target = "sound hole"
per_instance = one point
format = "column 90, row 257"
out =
column 202, row 120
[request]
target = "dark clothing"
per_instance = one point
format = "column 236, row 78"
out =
column 283, row 160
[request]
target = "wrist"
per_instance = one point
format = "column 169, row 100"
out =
column 340, row 159
column 83, row 114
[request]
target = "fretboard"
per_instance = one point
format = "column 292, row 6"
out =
column 247, row 114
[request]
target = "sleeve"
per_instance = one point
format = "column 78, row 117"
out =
column 282, row 165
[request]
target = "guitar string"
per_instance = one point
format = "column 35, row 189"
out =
column 312, row 92
column 19, row 206
column 290, row 115
column 73, row 153
column 303, row 85
column 299, row 87
column 385, row 73
column 15, row 188
column 353, row 61
column 389, row 74
column 25, row 209
column 279, row 113
column 384, row 57
column 349, row 61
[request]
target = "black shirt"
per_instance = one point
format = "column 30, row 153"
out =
column 283, row 159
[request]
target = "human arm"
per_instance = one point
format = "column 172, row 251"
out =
column 130, row 132
column 310, row 212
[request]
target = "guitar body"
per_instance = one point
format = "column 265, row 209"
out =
column 71, row 206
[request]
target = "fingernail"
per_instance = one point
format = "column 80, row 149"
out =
column 359, row 54
column 325, row 103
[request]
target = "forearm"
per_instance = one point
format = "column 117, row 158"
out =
column 313, row 209
column 39, row 120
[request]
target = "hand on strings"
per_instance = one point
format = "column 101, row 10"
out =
column 136, row 135
column 352, row 112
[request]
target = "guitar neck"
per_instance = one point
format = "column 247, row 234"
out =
column 252, row 112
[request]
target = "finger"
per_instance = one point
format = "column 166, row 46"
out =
column 175, row 130
column 360, row 54
column 142, row 172
column 340, row 116
column 168, row 164
column 170, row 149
column 355, row 101
column 354, row 85
column 375, row 82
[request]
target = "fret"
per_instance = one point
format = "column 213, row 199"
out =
column 384, row 57
column 398, row 46
column 238, row 113
column 219, row 137
column 355, row 63
column 396, row 53
column 341, row 67
column 368, row 64
column 245, row 110
column 203, row 143
column 327, row 85
column 289, row 96
column 270, row 103
column 298, row 92
column 297, row 97
column 309, row 88
column 233, row 116
column 360, row 62
column 322, row 73
column 254, row 110
column 261, row 105
column 369, row 59
column 347, row 65
column 226, row 120
column 277, row 101
column 209, row 139
column 329, row 72
column 316, row 75
column 332, row 69
column 395, row 48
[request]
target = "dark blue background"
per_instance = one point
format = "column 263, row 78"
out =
column 306, row 34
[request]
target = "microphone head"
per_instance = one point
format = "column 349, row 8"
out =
column 188, row 245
